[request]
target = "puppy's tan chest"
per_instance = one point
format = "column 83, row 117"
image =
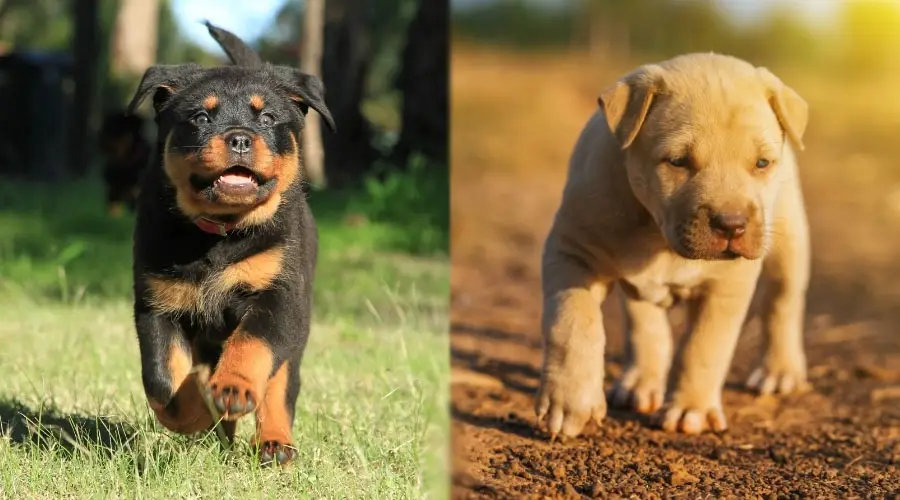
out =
column 174, row 295
column 663, row 279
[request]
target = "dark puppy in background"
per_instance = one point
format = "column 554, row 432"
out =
column 225, row 244
column 127, row 154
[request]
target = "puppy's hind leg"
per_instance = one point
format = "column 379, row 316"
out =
column 648, row 349
column 275, row 418
column 784, row 282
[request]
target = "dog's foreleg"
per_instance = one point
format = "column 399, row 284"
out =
column 784, row 282
column 717, row 317
column 571, row 392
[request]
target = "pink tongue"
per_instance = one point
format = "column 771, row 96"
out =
column 235, row 179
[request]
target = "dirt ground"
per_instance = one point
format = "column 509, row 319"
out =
column 841, row 440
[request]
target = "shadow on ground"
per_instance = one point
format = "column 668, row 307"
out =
column 51, row 430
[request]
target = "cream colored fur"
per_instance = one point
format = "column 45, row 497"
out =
column 674, row 147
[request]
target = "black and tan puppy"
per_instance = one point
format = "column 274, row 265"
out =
column 225, row 244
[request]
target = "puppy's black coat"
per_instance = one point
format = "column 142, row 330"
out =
column 225, row 244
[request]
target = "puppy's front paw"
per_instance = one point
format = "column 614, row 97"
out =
column 778, row 378
column 692, row 419
column 276, row 452
column 569, row 399
column 233, row 396
column 639, row 390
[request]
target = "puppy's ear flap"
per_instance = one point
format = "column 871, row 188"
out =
column 627, row 102
column 164, row 81
column 791, row 110
column 307, row 91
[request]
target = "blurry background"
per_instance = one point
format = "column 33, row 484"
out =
column 68, row 164
column 525, row 78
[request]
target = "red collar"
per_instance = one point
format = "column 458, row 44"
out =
column 213, row 227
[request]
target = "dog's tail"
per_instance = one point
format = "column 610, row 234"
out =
column 236, row 49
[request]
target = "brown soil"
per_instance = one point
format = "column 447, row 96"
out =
column 841, row 440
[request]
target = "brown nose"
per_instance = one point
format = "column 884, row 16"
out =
column 729, row 225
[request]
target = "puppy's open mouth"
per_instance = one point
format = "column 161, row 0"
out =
column 235, row 180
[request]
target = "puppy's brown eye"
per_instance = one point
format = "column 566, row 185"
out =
column 200, row 119
column 679, row 161
column 266, row 120
column 762, row 163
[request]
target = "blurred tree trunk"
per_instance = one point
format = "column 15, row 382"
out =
column 311, row 63
column 423, row 81
column 349, row 153
column 135, row 37
column 85, row 49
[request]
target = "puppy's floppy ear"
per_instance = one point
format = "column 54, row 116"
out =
column 791, row 110
column 306, row 90
column 627, row 102
column 164, row 81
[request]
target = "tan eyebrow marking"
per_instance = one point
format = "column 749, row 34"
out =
column 211, row 102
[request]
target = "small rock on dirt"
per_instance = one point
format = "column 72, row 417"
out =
column 559, row 472
column 680, row 476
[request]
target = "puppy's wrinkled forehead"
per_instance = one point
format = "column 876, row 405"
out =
column 713, row 102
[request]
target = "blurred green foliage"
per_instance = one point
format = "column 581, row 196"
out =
column 416, row 199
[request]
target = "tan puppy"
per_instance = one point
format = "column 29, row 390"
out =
column 682, row 186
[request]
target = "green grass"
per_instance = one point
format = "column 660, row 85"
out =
column 372, row 415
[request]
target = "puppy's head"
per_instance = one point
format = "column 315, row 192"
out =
column 230, row 135
column 707, row 142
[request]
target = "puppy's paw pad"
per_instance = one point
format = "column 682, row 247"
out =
column 638, row 391
column 276, row 453
column 766, row 381
column 687, row 420
column 568, row 409
column 233, row 399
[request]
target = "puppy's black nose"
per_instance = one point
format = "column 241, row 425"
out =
column 729, row 225
column 239, row 142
